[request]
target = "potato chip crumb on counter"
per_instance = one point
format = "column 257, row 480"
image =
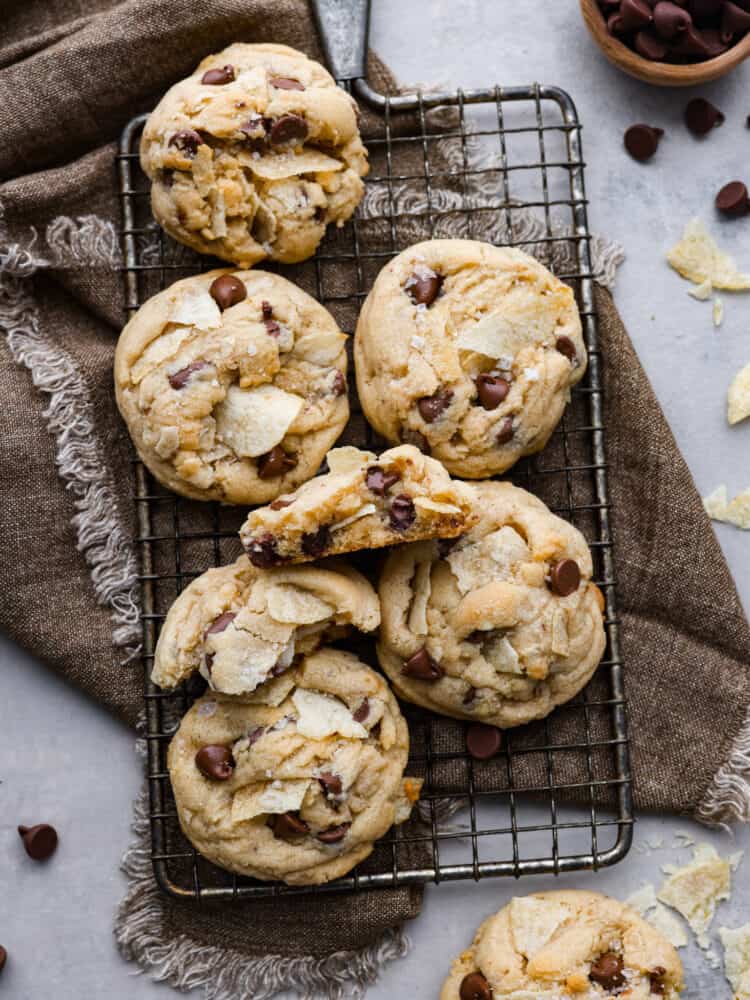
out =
column 718, row 312
column 736, row 942
column 696, row 889
column 698, row 258
column 737, row 511
column 702, row 292
column 645, row 902
column 738, row 396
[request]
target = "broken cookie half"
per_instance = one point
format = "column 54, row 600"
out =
column 363, row 502
column 240, row 628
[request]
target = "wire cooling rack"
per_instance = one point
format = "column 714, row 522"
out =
column 502, row 164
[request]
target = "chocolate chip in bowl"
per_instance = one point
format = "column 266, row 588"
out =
column 671, row 44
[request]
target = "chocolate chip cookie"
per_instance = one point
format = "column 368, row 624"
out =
column 253, row 155
column 297, row 781
column 233, row 385
column 363, row 502
column 569, row 943
column 499, row 627
column 240, row 626
column 469, row 351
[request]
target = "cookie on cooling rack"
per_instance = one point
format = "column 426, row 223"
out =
column 469, row 351
column 297, row 782
column 240, row 627
column 568, row 943
column 499, row 627
column 233, row 385
column 253, row 155
column 363, row 502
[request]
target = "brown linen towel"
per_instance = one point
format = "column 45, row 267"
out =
column 71, row 74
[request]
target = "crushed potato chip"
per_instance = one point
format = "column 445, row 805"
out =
column 195, row 307
column 649, row 907
column 736, row 942
column 718, row 312
column 696, row 889
column 736, row 511
column 252, row 421
column 276, row 166
column 348, row 459
column 698, row 258
column 702, row 292
column 715, row 504
column 738, row 397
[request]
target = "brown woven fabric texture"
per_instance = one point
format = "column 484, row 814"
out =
column 71, row 75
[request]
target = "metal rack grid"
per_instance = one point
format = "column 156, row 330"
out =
column 473, row 164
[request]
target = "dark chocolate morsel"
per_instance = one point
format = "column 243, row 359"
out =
column 423, row 286
column 226, row 291
column 262, row 552
column 330, row 783
column 607, row 972
column 334, row 834
column 701, row 116
column 314, row 543
column 279, row 503
column 566, row 347
column 215, row 762
column 401, row 512
column 188, row 141
column 670, row 19
column 475, row 987
column 635, row 14
column 642, row 141
column 221, row 623
column 275, row 462
column 40, row 841
column 288, row 825
column 505, row 431
column 218, row 76
column 178, row 380
column 735, row 22
column 286, row 83
column 564, row 577
column 491, row 390
column 432, row 407
column 422, row 667
column 362, row 711
column 338, row 388
column 649, row 45
column 378, row 481
column 483, row 741
column 289, row 130
column 733, row 199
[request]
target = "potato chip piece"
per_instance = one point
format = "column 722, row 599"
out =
column 696, row 889
column 364, row 511
column 644, row 901
column 276, row 166
column 715, row 504
column 348, row 459
column 160, row 349
column 533, row 922
column 738, row 510
column 435, row 506
column 252, row 421
column 560, row 641
column 495, row 336
column 738, row 397
column 702, row 292
column 287, row 603
column 736, row 941
column 500, row 653
column 195, row 307
column 320, row 716
column 698, row 258
column 276, row 797
column 322, row 347
column 718, row 312
column 422, row 588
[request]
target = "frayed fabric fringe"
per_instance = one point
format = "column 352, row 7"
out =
column 728, row 799
column 223, row 974
column 81, row 463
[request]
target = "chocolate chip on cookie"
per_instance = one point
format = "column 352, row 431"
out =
column 275, row 462
column 505, row 431
column 331, row 783
column 288, row 825
column 280, row 503
column 315, row 543
column 470, row 697
column 221, row 623
column 422, row 666
column 40, row 841
column 226, row 291
column 656, row 978
column 423, row 286
column 178, row 380
column 567, row 348
column 187, row 141
column 262, row 552
column 607, row 972
column 483, row 741
column 362, row 711
column 218, row 76
column 215, row 762
column 289, row 130
column 432, row 407
column 417, row 438
column 402, row 513
column 475, row 987
column 338, row 387
column 286, row 83
column 564, row 577
column 334, row 834
column 491, row 390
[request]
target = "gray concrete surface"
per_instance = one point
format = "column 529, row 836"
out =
column 62, row 759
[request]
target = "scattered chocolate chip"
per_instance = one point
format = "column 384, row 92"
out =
column 227, row 291
column 289, row 130
column 40, row 841
column 734, row 21
column 287, row 825
column 505, row 432
column 280, row 504
column 649, row 45
column 215, row 762
column 362, row 711
column 221, row 623
column 566, row 346
column 330, row 783
column 470, row 697
column 187, row 141
column 423, row 287
column 642, row 141
column 670, row 19
column 402, row 513
column 656, row 977
column 416, row 438
column 564, row 577
column 218, row 76
column 338, row 387
column 432, row 407
column 262, row 552
column 275, row 462
column 286, row 83
column 701, row 116
column 483, row 741
column 378, row 481
column 733, row 200
column 491, row 390
column 607, row 972
column 475, row 987
column 635, row 14
column 422, row 666
column 314, row 543
column 178, row 380
column 334, row 834
column 3, row 957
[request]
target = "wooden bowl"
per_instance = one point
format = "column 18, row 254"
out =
column 659, row 73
